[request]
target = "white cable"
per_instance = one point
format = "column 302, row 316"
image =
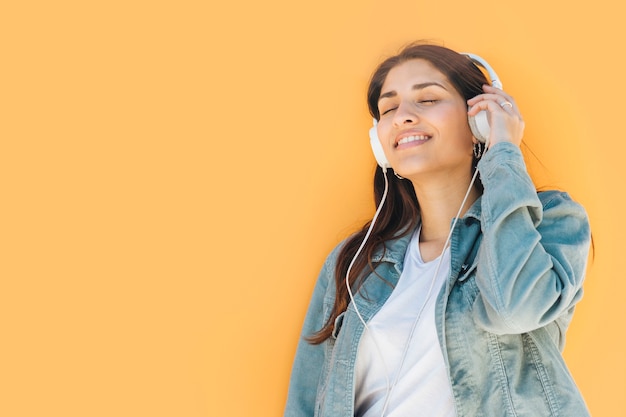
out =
column 428, row 294
column 390, row 387
column 367, row 235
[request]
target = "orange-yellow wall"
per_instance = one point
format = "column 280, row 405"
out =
column 173, row 173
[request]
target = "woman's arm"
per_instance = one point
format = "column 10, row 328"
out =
column 532, row 260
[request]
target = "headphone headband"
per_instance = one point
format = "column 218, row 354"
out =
column 478, row 61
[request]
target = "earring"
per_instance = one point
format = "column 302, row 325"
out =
column 479, row 150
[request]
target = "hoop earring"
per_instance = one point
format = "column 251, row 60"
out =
column 479, row 150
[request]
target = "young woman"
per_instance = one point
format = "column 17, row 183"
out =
column 455, row 299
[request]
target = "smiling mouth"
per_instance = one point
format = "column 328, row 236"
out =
column 415, row 138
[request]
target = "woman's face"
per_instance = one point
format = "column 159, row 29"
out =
column 423, row 125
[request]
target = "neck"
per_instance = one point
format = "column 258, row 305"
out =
column 439, row 203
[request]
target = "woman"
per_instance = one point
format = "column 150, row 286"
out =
column 419, row 314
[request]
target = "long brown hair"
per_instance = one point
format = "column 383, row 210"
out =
column 400, row 213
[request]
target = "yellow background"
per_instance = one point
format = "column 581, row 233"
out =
column 173, row 173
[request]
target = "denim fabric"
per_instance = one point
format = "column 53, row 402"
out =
column 518, row 260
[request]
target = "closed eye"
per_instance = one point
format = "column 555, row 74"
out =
column 387, row 111
column 418, row 102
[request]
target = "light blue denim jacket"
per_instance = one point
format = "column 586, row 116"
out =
column 518, row 260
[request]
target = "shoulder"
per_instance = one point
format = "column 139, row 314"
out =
column 553, row 197
column 564, row 220
column 560, row 202
column 333, row 256
column 325, row 281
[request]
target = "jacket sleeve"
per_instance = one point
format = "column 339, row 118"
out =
column 307, row 367
column 533, row 257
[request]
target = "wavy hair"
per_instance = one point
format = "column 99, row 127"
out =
column 400, row 214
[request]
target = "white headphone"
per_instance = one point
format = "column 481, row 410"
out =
column 478, row 124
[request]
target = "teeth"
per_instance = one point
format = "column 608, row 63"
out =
column 412, row 139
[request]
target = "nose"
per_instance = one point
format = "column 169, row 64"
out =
column 405, row 114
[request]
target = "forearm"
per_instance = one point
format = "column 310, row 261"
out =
column 533, row 255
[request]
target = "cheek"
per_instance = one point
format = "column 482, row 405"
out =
column 462, row 129
column 461, row 135
column 383, row 133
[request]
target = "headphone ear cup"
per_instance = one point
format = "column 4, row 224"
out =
column 479, row 125
column 377, row 148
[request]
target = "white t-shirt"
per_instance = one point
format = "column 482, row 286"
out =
column 423, row 388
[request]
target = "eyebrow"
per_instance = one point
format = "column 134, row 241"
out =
column 419, row 86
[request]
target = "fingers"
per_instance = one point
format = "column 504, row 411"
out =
column 492, row 105
column 505, row 120
column 505, row 101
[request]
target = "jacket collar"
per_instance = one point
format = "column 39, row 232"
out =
column 475, row 210
column 396, row 248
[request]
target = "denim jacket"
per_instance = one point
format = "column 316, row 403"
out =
column 518, row 260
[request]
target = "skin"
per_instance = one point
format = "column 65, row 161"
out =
column 418, row 100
